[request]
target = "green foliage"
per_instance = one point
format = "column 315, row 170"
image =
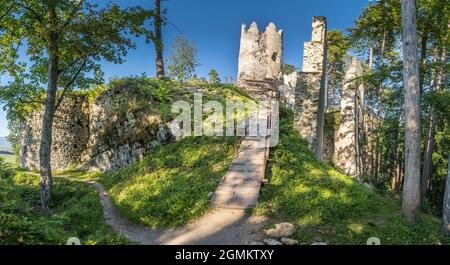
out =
column 214, row 77
column 288, row 69
column 183, row 60
column 81, row 34
column 329, row 206
column 74, row 212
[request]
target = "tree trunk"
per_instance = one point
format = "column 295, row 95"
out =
column 369, row 122
column 159, row 42
column 427, row 161
column 423, row 59
column 446, row 208
column 322, row 101
column 411, row 188
column 428, row 154
column 49, row 113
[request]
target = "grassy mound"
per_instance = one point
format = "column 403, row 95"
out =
column 75, row 211
column 170, row 186
column 329, row 206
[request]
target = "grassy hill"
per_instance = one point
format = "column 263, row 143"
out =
column 328, row 206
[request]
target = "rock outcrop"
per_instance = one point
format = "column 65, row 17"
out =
column 118, row 128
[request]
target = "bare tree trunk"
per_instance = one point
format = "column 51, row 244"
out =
column 423, row 60
column 446, row 208
column 159, row 42
column 428, row 154
column 411, row 188
column 427, row 161
column 47, row 122
column 369, row 122
column 322, row 101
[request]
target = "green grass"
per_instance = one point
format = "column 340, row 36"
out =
column 170, row 186
column 75, row 211
column 329, row 206
column 9, row 159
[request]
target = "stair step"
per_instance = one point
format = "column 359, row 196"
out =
column 249, row 161
column 237, row 190
column 232, row 175
column 247, row 168
column 241, row 183
column 241, row 201
column 252, row 152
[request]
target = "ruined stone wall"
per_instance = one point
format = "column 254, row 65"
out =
column 70, row 135
column 311, row 79
column 260, row 60
column 347, row 140
column 287, row 90
column 123, row 129
column 118, row 128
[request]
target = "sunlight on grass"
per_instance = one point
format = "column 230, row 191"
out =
column 330, row 206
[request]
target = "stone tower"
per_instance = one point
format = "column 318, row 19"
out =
column 348, row 138
column 311, row 86
column 260, row 60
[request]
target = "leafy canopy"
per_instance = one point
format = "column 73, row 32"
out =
column 183, row 60
column 86, row 35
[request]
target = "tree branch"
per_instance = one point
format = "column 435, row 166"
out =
column 38, row 16
column 72, row 14
column 69, row 85
column 7, row 11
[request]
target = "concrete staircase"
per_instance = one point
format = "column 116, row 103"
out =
column 240, row 187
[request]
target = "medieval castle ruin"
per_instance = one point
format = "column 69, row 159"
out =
column 98, row 136
column 261, row 73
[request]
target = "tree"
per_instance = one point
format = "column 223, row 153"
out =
column 183, row 60
column 65, row 41
column 159, row 41
column 214, row 77
column 338, row 46
column 446, row 206
column 288, row 69
column 411, row 187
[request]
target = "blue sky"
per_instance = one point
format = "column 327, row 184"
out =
column 214, row 27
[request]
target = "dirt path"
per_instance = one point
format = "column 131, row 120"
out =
column 218, row 227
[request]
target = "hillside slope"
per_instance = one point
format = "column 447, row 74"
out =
column 328, row 206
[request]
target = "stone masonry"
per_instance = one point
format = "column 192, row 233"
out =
column 70, row 135
column 260, row 60
column 104, row 135
column 347, row 137
column 311, row 79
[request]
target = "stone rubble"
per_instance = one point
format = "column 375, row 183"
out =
column 281, row 230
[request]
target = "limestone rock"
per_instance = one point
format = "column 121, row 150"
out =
column 319, row 244
column 289, row 241
column 281, row 230
column 118, row 128
column 256, row 243
column 272, row 242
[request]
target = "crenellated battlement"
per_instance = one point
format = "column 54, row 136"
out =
column 260, row 56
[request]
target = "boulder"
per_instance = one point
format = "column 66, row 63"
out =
column 272, row 242
column 281, row 230
column 289, row 241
